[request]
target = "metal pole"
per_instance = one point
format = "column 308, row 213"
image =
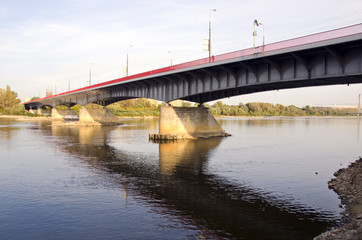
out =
column 254, row 34
column 210, row 31
column 359, row 105
column 90, row 76
column 127, row 64
column 127, row 60
column 210, row 34
column 263, row 38
column 170, row 56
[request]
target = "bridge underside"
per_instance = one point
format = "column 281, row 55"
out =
column 328, row 63
column 215, row 95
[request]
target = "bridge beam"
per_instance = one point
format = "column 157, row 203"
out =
column 303, row 61
column 337, row 56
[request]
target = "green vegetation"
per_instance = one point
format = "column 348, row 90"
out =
column 9, row 102
column 268, row 109
column 134, row 107
column 143, row 107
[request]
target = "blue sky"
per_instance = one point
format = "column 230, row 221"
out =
column 43, row 43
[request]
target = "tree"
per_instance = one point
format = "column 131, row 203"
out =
column 186, row 104
column 18, row 109
column 254, row 108
column 8, row 99
column 34, row 98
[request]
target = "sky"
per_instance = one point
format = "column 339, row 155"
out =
column 56, row 44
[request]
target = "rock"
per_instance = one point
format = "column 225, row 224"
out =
column 348, row 185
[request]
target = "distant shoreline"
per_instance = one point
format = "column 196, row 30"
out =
column 26, row 118
column 43, row 118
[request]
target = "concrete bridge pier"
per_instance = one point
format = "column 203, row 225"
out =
column 187, row 123
column 97, row 117
column 36, row 111
column 64, row 114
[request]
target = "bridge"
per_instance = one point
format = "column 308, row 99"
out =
column 326, row 58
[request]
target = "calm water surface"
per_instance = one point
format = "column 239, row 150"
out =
column 267, row 181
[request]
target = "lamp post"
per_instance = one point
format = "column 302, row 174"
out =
column 170, row 56
column 255, row 33
column 127, row 60
column 359, row 105
column 69, row 83
column 263, row 37
column 90, row 74
column 211, row 10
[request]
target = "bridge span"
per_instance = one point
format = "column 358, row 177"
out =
column 326, row 58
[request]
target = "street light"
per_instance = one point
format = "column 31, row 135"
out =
column 127, row 60
column 359, row 105
column 170, row 56
column 90, row 74
column 211, row 10
column 255, row 33
column 69, row 82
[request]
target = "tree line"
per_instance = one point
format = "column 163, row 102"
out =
column 10, row 104
column 268, row 109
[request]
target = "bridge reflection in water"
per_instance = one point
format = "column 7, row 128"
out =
column 181, row 187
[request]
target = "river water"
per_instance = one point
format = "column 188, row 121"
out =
column 267, row 181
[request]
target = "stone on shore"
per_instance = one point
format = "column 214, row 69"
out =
column 348, row 185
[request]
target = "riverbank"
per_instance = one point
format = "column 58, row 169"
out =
column 44, row 118
column 26, row 118
column 348, row 185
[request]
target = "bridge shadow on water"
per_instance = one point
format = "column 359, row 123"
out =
column 179, row 186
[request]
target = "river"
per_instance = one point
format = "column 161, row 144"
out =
column 267, row 181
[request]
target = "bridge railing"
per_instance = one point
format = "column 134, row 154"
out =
column 313, row 38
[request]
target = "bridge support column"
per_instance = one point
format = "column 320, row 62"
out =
column 37, row 111
column 97, row 117
column 64, row 114
column 187, row 123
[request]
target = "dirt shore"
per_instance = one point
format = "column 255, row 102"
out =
column 26, row 118
column 348, row 185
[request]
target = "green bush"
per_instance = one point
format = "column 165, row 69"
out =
column 18, row 109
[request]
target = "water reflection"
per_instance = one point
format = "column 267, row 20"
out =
column 84, row 135
column 9, row 130
column 179, row 186
column 180, row 156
